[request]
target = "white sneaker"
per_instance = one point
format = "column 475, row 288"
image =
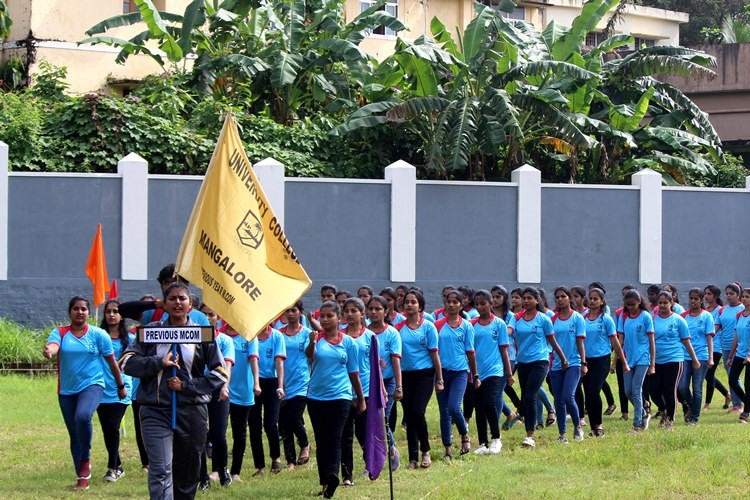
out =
column 482, row 450
column 528, row 442
column 646, row 420
column 214, row 476
column 236, row 478
column 495, row 446
column 578, row 435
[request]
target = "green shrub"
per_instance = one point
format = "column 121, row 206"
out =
column 20, row 128
column 19, row 344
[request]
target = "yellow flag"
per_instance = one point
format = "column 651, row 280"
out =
column 234, row 249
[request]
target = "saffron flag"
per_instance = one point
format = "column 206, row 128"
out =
column 375, row 439
column 113, row 294
column 234, row 248
column 96, row 268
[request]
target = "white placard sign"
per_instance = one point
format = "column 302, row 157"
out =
column 175, row 334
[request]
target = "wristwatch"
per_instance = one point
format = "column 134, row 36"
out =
column 120, row 387
column 475, row 377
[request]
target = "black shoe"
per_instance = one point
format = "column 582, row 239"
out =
column 224, row 478
column 204, row 486
column 330, row 489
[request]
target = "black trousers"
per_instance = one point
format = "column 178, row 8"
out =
column 598, row 369
column 712, row 382
column 264, row 416
column 621, row 387
column 291, row 424
column 418, row 386
column 218, row 414
column 469, row 402
column 356, row 425
column 138, row 435
column 110, row 418
column 663, row 386
column 738, row 364
column 328, row 419
column 485, row 399
column 239, row 417
column 531, row 377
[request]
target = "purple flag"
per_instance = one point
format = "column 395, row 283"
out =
column 375, row 440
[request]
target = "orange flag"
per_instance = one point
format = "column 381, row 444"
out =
column 96, row 268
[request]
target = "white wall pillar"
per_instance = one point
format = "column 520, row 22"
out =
column 403, row 179
column 747, row 181
column 134, row 246
column 650, row 220
column 3, row 211
column 270, row 174
column 529, row 265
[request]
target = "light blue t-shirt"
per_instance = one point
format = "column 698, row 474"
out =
column 454, row 344
column 417, row 344
column 717, row 330
column 363, row 343
column 110, row 385
column 269, row 349
column 438, row 314
column 599, row 333
column 389, row 346
column 488, row 339
column 678, row 308
column 226, row 346
column 743, row 337
column 728, row 323
column 242, row 382
column 472, row 312
column 429, row 317
column 296, row 365
column 79, row 359
column 195, row 316
column 668, row 334
column 531, row 337
column 331, row 367
column 635, row 332
column 279, row 323
column 567, row 331
column 700, row 327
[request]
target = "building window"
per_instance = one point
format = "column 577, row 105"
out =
column 593, row 38
column 128, row 6
column 518, row 13
column 641, row 42
column 391, row 7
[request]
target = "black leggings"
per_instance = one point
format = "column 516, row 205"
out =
column 264, row 416
column 598, row 369
column 356, row 424
column 328, row 419
column 218, row 413
column 469, row 403
column 485, row 399
column 663, row 386
column 531, row 377
column 239, row 417
column 291, row 424
column 607, row 391
column 110, row 417
column 738, row 364
column 511, row 393
column 712, row 382
column 621, row 394
column 418, row 386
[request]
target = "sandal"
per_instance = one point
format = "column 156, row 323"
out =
column 465, row 445
column 330, row 488
column 508, row 424
column 551, row 419
column 610, row 410
column 348, row 483
column 412, row 465
column 275, row 467
column 304, row 456
column 426, row 461
column 447, row 457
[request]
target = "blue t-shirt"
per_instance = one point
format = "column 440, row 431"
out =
column 668, row 334
column 429, row 317
column 269, row 349
column 242, row 382
column 110, row 385
column 678, row 308
column 389, row 345
column 700, row 327
column 195, row 316
column 599, row 333
column 438, row 314
column 78, row 360
column 363, row 343
column 332, row 364
column 397, row 318
column 728, row 322
column 471, row 312
column 717, row 331
column 226, row 346
column 279, row 323
column 296, row 365
column 531, row 337
column 743, row 337
column 511, row 337
column 567, row 331
column 454, row 344
column 635, row 332
column 416, row 345
column 488, row 339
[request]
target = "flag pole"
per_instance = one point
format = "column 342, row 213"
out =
column 390, row 469
column 174, row 394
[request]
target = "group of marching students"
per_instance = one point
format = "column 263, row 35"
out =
column 469, row 352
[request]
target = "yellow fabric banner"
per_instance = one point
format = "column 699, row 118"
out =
column 234, row 249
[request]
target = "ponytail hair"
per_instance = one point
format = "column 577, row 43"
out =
column 534, row 292
column 124, row 337
column 506, row 298
column 633, row 294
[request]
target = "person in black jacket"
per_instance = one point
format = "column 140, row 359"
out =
column 174, row 455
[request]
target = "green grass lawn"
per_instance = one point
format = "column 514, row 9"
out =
column 710, row 460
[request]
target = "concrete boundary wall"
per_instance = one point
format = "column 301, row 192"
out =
column 378, row 232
